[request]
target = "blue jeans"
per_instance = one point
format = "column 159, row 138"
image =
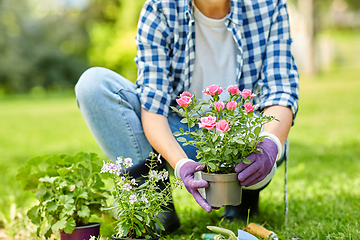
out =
column 111, row 109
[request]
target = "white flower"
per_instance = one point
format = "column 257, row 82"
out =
column 127, row 186
column 122, row 179
column 165, row 175
column 119, row 160
column 153, row 174
column 133, row 182
column 144, row 199
column 128, row 162
column 178, row 184
column 132, row 198
column 110, row 168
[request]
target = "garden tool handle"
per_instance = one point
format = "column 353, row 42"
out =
column 260, row 231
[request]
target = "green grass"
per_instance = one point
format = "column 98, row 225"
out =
column 323, row 171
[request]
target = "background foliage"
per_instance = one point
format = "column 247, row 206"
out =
column 46, row 45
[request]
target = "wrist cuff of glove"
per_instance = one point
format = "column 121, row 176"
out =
column 179, row 164
column 275, row 140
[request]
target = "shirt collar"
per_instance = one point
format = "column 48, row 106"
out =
column 235, row 11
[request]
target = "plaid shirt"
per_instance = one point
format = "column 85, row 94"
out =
column 166, row 52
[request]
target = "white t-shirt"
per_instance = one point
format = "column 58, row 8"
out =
column 215, row 55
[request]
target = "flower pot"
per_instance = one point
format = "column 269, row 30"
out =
column 82, row 232
column 224, row 189
column 115, row 238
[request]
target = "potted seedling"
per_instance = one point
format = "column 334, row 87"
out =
column 69, row 190
column 137, row 204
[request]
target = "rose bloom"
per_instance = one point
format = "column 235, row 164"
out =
column 232, row 90
column 213, row 90
column 231, row 105
column 248, row 107
column 219, row 106
column 247, row 93
column 222, row 126
column 184, row 101
column 185, row 94
column 207, row 122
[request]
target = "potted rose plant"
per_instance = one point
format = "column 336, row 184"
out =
column 69, row 190
column 225, row 133
column 137, row 204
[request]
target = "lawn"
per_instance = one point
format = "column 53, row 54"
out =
column 323, row 169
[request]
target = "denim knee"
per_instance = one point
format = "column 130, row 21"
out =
column 90, row 87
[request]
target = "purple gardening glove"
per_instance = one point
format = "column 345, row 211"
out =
column 187, row 175
column 260, row 164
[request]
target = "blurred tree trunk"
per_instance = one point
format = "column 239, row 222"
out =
column 307, row 8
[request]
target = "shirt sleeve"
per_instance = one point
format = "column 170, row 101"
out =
column 279, row 77
column 154, row 81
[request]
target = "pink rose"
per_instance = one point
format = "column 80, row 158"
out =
column 185, row 94
column 184, row 101
column 207, row 122
column 222, row 126
column 232, row 90
column 231, row 105
column 213, row 90
column 219, row 106
column 248, row 107
column 247, row 93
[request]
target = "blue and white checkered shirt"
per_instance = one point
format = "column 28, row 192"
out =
column 166, row 52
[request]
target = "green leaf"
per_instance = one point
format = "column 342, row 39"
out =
column 212, row 165
column 63, row 171
column 84, row 212
column 257, row 131
column 176, row 134
column 68, row 211
column 59, row 225
column 228, row 151
column 160, row 224
column 70, row 226
column 67, row 201
column 206, row 149
column 184, row 120
column 215, row 137
column 246, row 161
column 52, row 206
column 81, row 193
column 44, row 229
column 48, row 179
column 181, row 139
column 33, row 214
